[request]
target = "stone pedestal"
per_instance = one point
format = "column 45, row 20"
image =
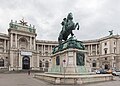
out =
column 68, row 62
column 69, row 57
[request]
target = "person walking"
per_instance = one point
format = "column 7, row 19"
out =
column 28, row 72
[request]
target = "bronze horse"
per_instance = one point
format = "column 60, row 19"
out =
column 68, row 26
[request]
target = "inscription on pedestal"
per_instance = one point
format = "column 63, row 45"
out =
column 70, row 61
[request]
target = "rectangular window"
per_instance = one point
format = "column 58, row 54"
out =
column 40, row 47
column 1, row 62
column 105, row 58
column 46, row 47
column 13, row 37
column 105, row 50
column 94, row 47
column 105, row 43
column 94, row 64
column 114, row 49
column 114, row 43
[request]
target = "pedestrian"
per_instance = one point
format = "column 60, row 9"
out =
column 28, row 72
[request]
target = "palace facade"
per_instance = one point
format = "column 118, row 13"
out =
column 104, row 52
column 19, row 49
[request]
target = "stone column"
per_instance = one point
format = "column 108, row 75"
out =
column 7, row 47
column 96, row 49
column 37, row 48
column 31, row 61
column 20, row 61
column 30, row 43
column 91, row 49
column 51, row 49
column 11, row 59
column 11, row 40
column 34, row 43
column 4, row 45
column 111, row 47
column 17, row 56
column 38, row 60
column 16, row 40
column 44, row 49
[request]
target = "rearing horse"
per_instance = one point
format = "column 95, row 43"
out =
column 68, row 26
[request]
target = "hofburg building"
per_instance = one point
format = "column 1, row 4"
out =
column 19, row 50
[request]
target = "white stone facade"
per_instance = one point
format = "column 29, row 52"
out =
column 104, row 52
column 19, row 49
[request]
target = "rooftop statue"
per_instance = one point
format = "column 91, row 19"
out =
column 67, row 26
column 111, row 32
column 23, row 26
column 23, row 22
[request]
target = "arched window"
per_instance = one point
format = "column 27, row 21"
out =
column 1, row 62
column 46, row 64
column 94, row 63
column 40, row 63
column 23, row 44
column 106, row 66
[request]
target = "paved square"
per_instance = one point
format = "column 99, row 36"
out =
column 28, row 80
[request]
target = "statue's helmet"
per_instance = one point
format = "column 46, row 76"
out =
column 70, row 16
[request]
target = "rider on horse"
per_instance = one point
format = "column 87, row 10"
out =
column 67, row 26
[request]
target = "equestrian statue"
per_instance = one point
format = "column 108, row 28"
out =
column 67, row 26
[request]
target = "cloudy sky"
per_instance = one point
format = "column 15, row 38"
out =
column 96, row 17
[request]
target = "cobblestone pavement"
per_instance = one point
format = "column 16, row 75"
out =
column 28, row 80
column 115, row 82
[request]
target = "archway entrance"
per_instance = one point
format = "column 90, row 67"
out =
column 26, row 62
column 106, row 66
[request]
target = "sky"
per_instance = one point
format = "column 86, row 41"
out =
column 96, row 17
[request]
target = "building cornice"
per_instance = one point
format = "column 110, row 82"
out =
column 46, row 42
column 101, row 39
column 4, row 36
column 21, row 31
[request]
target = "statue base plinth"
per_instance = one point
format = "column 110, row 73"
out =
column 66, row 61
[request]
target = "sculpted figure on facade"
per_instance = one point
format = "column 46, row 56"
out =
column 111, row 32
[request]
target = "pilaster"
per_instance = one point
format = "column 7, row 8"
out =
column 11, row 40
column 16, row 40
column 30, row 43
column 4, row 45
